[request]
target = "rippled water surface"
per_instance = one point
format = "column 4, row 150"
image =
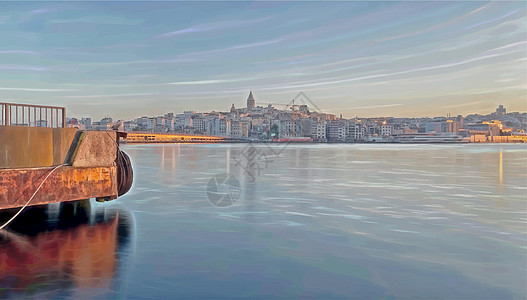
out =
column 291, row 221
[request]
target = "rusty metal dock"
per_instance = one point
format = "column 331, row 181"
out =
column 34, row 142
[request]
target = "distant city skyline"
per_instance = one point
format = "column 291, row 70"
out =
column 366, row 59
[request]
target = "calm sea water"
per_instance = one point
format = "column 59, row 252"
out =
column 286, row 221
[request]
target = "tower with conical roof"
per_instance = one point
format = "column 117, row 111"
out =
column 250, row 102
column 233, row 109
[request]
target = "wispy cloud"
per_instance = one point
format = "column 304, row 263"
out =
column 508, row 46
column 41, row 11
column 139, row 62
column 370, row 107
column 321, row 82
column 34, row 89
column 432, row 28
column 494, row 20
column 111, row 95
column 213, row 26
column 103, row 20
column 19, row 52
column 197, row 82
column 22, row 68
column 462, row 104
column 477, row 9
column 236, row 47
column 213, row 81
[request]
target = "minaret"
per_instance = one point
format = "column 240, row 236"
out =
column 250, row 102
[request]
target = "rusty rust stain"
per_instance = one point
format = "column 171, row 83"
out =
column 65, row 184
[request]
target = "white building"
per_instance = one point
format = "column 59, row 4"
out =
column 217, row 125
column 337, row 130
column 199, row 124
column 356, row 131
column 386, row 130
column 236, row 130
column 318, row 130
column 145, row 123
column 128, row 126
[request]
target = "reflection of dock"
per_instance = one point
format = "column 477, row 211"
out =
column 36, row 149
column 145, row 137
column 77, row 250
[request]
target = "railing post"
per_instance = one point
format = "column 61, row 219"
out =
column 63, row 117
column 7, row 113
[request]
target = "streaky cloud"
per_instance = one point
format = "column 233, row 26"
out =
column 198, row 82
column 111, row 95
column 301, row 85
column 19, row 52
column 373, row 106
column 494, row 20
column 22, row 68
column 477, row 9
column 212, row 27
column 462, row 104
column 34, row 89
column 139, row 62
column 41, row 11
column 508, row 46
column 238, row 47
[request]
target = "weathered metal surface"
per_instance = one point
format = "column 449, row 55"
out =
column 65, row 184
column 30, row 154
column 29, row 147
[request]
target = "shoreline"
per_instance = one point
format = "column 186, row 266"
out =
column 311, row 143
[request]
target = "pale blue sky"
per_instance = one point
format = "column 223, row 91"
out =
column 127, row 59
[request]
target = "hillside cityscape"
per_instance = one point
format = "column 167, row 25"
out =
column 301, row 120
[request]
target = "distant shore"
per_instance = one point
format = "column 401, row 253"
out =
column 311, row 143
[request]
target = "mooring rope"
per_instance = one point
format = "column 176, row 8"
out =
column 36, row 191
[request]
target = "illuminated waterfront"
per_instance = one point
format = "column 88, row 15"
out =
column 325, row 221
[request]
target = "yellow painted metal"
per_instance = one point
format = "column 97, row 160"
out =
column 26, row 147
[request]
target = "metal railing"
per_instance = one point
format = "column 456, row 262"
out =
column 15, row 114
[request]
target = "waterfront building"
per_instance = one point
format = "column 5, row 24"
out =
column 386, row 129
column 224, row 128
column 198, row 123
column 217, row 124
column 287, row 128
column 245, row 127
column 318, row 130
column 443, row 126
column 356, row 131
column 492, row 128
column 337, row 130
column 179, row 121
column 145, row 123
column 236, row 131
column 86, row 122
column 128, row 126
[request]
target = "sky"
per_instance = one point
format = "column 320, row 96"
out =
column 130, row 59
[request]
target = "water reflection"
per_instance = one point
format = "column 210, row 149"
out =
column 63, row 250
